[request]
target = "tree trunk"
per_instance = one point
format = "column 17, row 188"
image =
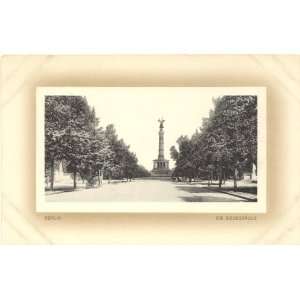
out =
column 52, row 175
column 100, row 177
column 74, row 180
column 224, row 175
column 235, row 179
column 210, row 177
column 220, row 176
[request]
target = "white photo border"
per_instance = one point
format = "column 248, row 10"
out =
column 43, row 206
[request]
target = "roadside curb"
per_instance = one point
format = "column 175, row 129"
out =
column 232, row 194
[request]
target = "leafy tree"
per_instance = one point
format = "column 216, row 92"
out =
column 73, row 135
column 184, row 166
column 141, row 172
column 100, row 154
column 129, row 165
column 124, row 162
column 235, row 129
column 68, row 123
column 226, row 143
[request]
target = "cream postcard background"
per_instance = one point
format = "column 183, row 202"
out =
column 20, row 75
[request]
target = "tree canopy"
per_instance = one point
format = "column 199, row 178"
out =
column 73, row 135
column 224, row 146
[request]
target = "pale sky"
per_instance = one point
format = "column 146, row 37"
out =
column 135, row 112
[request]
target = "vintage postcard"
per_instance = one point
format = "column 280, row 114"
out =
column 151, row 149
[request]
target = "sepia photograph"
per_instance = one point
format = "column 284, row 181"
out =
column 151, row 149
